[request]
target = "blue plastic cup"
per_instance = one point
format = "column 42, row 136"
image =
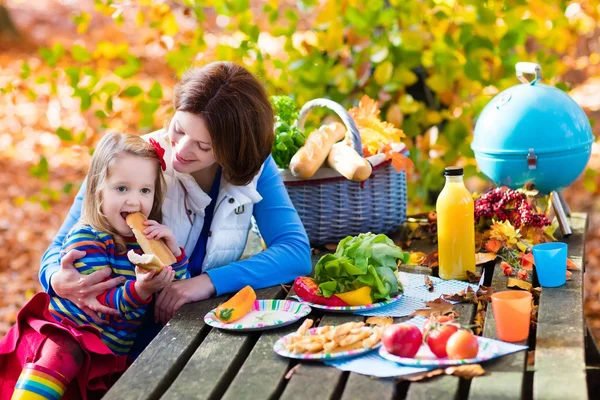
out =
column 550, row 263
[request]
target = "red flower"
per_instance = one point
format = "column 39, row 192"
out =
column 506, row 268
column 522, row 274
column 160, row 152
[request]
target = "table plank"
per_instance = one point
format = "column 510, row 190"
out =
column 154, row 370
column 212, row 367
column 361, row 387
column 505, row 376
column 263, row 372
column 560, row 348
column 317, row 380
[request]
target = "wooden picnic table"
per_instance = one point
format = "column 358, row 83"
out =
column 191, row 360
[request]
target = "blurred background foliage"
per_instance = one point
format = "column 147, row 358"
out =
column 70, row 69
column 432, row 64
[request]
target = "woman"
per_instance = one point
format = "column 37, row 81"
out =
column 219, row 174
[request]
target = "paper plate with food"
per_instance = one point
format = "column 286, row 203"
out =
column 244, row 313
column 362, row 274
column 329, row 342
column 442, row 342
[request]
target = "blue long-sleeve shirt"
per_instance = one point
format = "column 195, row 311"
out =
column 286, row 257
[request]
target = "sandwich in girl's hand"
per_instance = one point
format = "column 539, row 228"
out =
column 156, row 252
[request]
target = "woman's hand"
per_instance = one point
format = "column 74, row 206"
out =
column 179, row 293
column 157, row 231
column 82, row 290
column 149, row 282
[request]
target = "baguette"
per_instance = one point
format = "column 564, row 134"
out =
column 156, row 252
column 313, row 154
column 345, row 160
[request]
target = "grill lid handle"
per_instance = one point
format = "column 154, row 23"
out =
column 528, row 68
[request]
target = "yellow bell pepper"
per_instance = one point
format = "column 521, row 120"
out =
column 358, row 297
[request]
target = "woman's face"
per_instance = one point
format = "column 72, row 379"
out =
column 192, row 144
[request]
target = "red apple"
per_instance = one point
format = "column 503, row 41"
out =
column 402, row 340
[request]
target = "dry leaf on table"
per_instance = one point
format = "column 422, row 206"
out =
column 517, row 283
column 379, row 321
column 438, row 306
column 479, row 319
column 465, row 371
column 473, row 277
column 484, row 294
column 467, row 295
column 422, row 376
column 431, row 260
column 428, row 283
column 482, row 258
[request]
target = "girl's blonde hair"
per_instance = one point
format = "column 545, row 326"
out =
column 108, row 149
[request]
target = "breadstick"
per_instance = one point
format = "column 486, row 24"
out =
column 311, row 156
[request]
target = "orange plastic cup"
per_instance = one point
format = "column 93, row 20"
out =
column 512, row 312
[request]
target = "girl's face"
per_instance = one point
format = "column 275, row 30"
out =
column 128, row 188
column 192, row 144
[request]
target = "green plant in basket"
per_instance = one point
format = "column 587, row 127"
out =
column 288, row 139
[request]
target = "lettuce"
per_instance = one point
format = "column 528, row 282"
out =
column 363, row 260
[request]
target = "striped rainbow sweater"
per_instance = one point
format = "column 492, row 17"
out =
column 120, row 332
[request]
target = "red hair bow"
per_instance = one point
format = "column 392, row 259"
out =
column 160, row 152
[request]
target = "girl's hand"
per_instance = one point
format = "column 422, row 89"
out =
column 178, row 293
column 149, row 282
column 82, row 290
column 158, row 231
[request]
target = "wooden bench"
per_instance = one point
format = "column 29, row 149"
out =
column 190, row 360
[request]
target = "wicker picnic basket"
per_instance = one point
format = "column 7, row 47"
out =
column 332, row 207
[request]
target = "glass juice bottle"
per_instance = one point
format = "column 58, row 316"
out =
column 455, row 227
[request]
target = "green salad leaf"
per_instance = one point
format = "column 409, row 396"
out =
column 288, row 139
column 363, row 260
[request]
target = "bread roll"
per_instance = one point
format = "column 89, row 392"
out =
column 156, row 252
column 311, row 156
column 345, row 160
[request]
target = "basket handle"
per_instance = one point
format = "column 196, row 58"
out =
column 341, row 112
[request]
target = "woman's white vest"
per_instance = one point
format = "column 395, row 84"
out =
column 184, row 209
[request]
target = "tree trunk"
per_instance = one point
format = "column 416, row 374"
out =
column 6, row 24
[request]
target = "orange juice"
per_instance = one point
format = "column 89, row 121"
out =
column 456, row 227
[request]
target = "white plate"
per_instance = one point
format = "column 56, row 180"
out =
column 488, row 349
column 351, row 309
column 265, row 314
column 280, row 348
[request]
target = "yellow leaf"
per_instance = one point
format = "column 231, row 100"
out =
column 412, row 40
column 169, row 25
column 405, row 76
column 439, row 83
column 482, row 258
column 417, row 258
column 334, row 37
column 383, row 72
column 517, row 283
column 328, row 13
column 505, row 232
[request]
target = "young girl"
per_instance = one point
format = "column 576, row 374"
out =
column 55, row 349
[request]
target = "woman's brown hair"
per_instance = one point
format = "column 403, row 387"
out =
column 237, row 112
column 106, row 153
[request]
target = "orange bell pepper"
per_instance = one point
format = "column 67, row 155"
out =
column 236, row 307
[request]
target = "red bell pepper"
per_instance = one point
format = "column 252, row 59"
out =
column 306, row 288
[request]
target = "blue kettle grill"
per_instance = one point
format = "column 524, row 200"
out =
column 533, row 133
